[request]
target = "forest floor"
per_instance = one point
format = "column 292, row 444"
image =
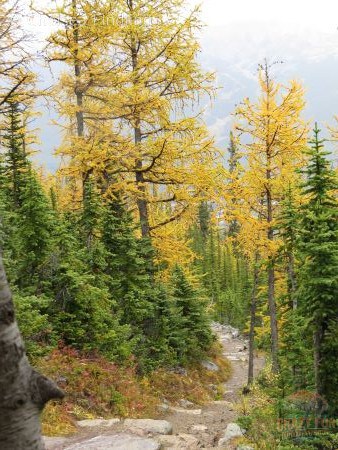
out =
column 193, row 426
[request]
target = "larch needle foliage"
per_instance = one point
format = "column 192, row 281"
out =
column 275, row 135
column 133, row 75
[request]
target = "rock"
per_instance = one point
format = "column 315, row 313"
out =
column 97, row 423
column 179, row 371
column 235, row 334
column 193, row 412
column 149, row 425
column 117, row 442
column 186, row 403
column 209, row 365
column 244, row 447
column 54, row 443
column 199, row 428
column 179, row 442
column 232, row 358
column 232, row 430
column 164, row 407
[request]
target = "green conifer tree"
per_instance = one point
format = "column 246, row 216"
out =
column 318, row 283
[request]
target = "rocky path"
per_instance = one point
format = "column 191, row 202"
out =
column 187, row 427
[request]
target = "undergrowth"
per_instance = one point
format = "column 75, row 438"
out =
column 264, row 409
column 95, row 388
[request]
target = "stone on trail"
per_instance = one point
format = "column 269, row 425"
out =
column 117, row 442
column 97, row 423
column 163, row 407
column 232, row 430
column 193, row 412
column 209, row 365
column 232, row 357
column 244, row 447
column 186, row 403
column 54, row 443
column 149, row 425
column 179, row 442
column 199, row 428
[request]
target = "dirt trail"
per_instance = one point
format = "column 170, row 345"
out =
column 216, row 415
column 194, row 427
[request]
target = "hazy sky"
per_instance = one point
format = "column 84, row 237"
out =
column 293, row 14
column 238, row 35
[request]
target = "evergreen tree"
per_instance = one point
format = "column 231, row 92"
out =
column 318, row 285
column 35, row 230
column 15, row 162
column 233, row 162
column 288, row 225
column 192, row 324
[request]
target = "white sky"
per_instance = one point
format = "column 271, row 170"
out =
column 238, row 35
column 294, row 14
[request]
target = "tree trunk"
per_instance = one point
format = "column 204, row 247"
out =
column 292, row 280
column 252, row 324
column 142, row 204
column 273, row 317
column 271, row 285
column 23, row 391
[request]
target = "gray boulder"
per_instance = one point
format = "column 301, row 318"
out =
column 209, row 365
column 97, row 423
column 179, row 442
column 54, row 443
column 117, row 442
column 149, row 425
column 186, row 403
column 232, row 430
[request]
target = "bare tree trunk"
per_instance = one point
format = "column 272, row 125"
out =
column 273, row 317
column 252, row 323
column 142, row 204
column 271, row 288
column 23, row 391
column 270, row 236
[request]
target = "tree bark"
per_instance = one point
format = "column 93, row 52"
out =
column 273, row 317
column 142, row 204
column 252, row 323
column 292, row 280
column 23, row 391
column 271, row 287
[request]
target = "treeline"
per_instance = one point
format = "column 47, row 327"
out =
column 84, row 279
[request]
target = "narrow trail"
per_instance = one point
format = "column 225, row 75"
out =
column 193, row 427
column 216, row 415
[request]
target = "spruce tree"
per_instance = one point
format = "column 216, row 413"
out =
column 317, row 292
column 192, row 324
column 15, row 162
column 233, row 161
